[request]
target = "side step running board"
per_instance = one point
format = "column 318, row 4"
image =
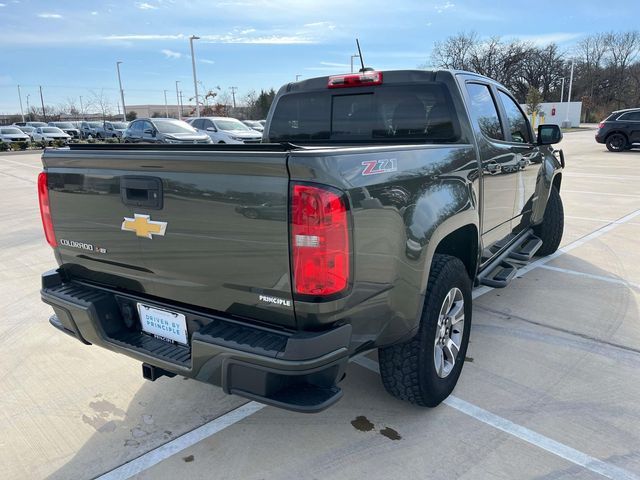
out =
column 500, row 276
column 503, row 269
column 527, row 250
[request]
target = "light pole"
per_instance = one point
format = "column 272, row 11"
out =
column 166, row 107
column 81, row 108
column 178, row 101
column 352, row 57
column 193, row 64
column 28, row 108
column 566, row 119
column 181, row 105
column 44, row 113
column 124, row 109
column 20, row 97
column 233, row 95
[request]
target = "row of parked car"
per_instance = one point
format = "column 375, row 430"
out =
column 41, row 131
column 155, row 130
column 194, row 130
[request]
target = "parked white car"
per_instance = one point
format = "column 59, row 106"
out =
column 226, row 130
column 13, row 134
column 27, row 130
column 50, row 134
column 255, row 124
column 36, row 124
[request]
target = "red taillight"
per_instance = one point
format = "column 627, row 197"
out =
column 355, row 80
column 45, row 209
column 319, row 241
column 601, row 125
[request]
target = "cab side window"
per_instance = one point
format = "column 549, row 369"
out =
column 516, row 121
column 483, row 110
column 136, row 128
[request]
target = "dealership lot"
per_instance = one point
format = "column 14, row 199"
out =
column 550, row 388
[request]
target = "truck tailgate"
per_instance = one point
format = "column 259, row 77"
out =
column 202, row 228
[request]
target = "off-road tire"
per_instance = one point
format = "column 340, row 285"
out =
column 616, row 142
column 552, row 226
column 408, row 369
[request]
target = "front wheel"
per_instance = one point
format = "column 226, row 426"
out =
column 552, row 227
column 616, row 142
column 425, row 369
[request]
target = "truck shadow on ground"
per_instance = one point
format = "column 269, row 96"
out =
column 367, row 416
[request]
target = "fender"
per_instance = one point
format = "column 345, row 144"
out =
column 550, row 173
column 442, row 208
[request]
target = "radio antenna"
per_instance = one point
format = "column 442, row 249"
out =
column 363, row 69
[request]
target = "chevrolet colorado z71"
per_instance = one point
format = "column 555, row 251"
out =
column 375, row 203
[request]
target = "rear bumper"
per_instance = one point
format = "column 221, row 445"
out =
column 297, row 371
column 599, row 137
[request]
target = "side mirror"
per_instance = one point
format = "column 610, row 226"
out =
column 212, row 129
column 149, row 131
column 549, row 134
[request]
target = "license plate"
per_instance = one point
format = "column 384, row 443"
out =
column 163, row 324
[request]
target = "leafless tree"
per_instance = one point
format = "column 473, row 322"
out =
column 100, row 101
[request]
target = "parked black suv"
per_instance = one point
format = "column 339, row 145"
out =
column 620, row 130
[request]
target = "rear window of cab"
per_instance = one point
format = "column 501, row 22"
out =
column 418, row 113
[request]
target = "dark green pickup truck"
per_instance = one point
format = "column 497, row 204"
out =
column 375, row 203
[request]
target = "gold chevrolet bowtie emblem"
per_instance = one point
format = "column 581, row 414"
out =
column 144, row 226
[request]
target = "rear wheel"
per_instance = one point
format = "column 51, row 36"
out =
column 552, row 226
column 425, row 369
column 616, row 142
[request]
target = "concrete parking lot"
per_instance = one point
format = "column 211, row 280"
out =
column 550, row 388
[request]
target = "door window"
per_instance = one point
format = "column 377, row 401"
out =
column 198, row 124
column 483, row 110
column 136, row 128
column 516, row 121
column 630, row 116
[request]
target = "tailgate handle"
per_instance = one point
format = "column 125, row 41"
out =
column 141, row 192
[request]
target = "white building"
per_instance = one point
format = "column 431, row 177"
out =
column 556, row 113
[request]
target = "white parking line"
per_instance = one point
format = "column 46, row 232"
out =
column 182, row 442
column 189, row 439
column 602, row 193
column 602, row 278
column 5, row 159
column 533, row 438
column 603, row 177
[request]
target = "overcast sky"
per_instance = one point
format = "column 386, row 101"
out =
column 71, row 47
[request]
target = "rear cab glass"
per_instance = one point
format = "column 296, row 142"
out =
column 422, row 113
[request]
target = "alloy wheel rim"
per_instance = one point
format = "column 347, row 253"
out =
column 617, row 142
column 449, row 331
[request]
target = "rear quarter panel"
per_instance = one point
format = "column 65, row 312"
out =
column 398, row 219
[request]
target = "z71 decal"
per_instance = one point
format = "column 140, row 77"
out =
column 374, row 167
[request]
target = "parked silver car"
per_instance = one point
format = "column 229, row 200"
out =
column 13, row 134
column 26, row 129
column 162, row 130
column 67, row 127
column 89, row 129
column 255, row 124
column 111, row 129
column 226, row 130
column 50, row 134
